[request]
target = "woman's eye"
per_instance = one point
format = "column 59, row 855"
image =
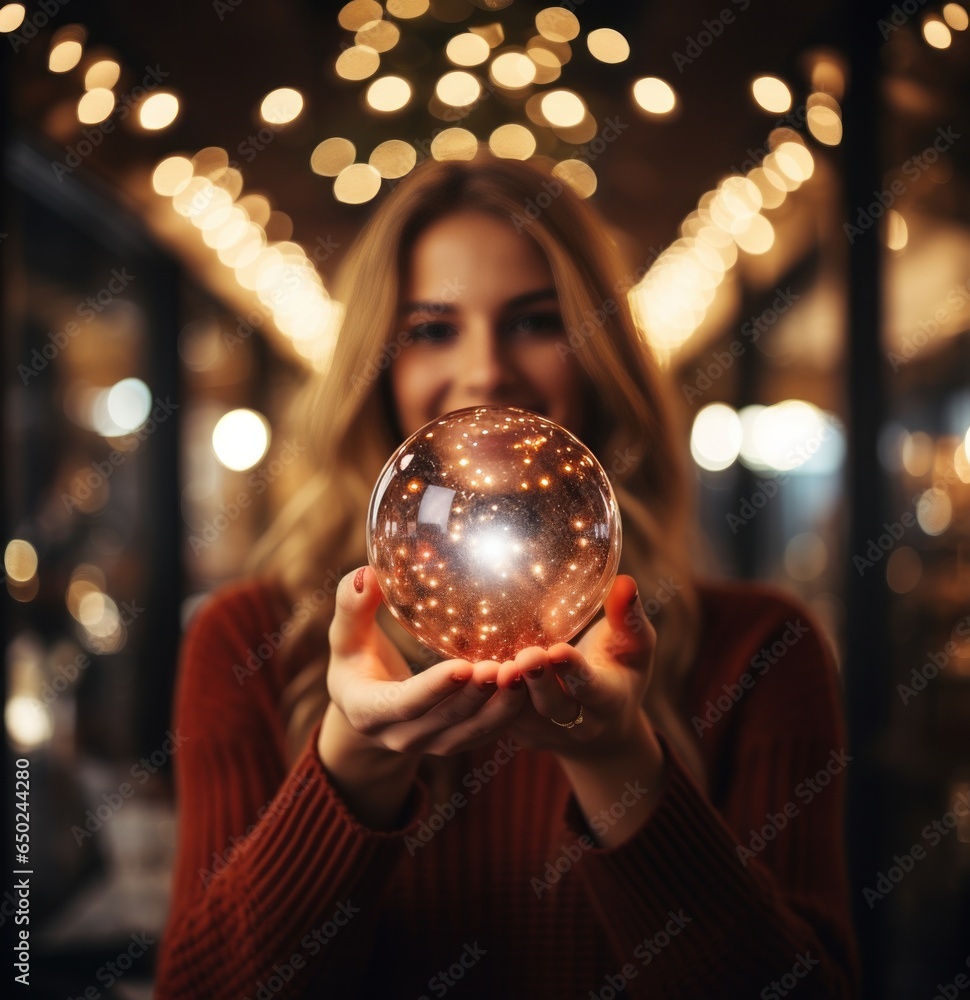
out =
column 432, row 333
column 539, row 324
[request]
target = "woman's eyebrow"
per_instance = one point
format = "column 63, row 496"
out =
column 538, row 295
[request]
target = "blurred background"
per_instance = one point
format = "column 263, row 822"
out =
column 791, row 187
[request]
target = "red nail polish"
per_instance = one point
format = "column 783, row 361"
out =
column 359, row 580
column 458, row 678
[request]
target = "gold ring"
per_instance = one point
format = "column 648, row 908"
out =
column 578, row 721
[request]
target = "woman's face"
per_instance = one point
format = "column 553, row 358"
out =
column 483, row 325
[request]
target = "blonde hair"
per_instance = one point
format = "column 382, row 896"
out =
column 351, row 428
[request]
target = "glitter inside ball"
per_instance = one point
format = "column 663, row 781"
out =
column 492, row 529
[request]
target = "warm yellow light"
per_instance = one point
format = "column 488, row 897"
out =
column 715, row 439
column 20, row 560
column 578, row 134
column 171, row 175
column 514, row 142
column 381, row 36
column 771, row 196
column 467, row 49
column 548, row 67
column 771, row 94
column 937, row 33
column 158, row 111
column 794, row 160
column 493, row 33
column 654, row 95
column 95, row 106
column 454, row 144
column 458, row 88
column 557, row 24
column 824, row 119
column 934, row 511
column 512, row 70
column 240, row 439
column 210, row 161
column 578, row 175
column 563, row 108
column 389, row 93
column 28, row 721
column 897, row 232
column 608, row 45
column 393, row 158
column 257, row 207
column 103, row 73
column 405, row 9
column 358, row 62
column 356, row 184
column 332, row 155
column 954, row 15
column 64, row 56
column 354, row 15
column 755, row 235
column 281, row 106
column 12, row 16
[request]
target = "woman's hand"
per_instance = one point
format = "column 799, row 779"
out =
column 607, row 673
column 613, row 759
column 445, row 709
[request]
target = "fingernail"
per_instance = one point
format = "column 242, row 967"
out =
column 517, row 683
column 359, row 580
column 633, row 600
column 534, row 672
column 458, row 678
column 560, row 663
column 488, row 686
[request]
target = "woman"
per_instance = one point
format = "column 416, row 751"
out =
column 357, row 820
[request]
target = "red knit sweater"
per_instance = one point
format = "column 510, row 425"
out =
column 496, row 888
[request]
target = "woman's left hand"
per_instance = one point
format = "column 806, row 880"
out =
column 605, row 676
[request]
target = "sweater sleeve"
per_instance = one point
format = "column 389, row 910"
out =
column 270, row 865
column 750, row 898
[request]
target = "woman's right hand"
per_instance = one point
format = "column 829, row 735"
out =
column 381, row 718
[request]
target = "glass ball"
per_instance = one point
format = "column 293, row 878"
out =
column 491, row 529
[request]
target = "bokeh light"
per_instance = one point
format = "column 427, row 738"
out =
column 240, row 439
column 715, row 438
column 771, row 94
column 158, row 111
column 654, row 95
column 281, row 106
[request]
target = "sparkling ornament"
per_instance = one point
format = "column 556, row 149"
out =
column 492, row 529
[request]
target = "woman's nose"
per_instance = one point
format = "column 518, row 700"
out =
column 485, row 365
